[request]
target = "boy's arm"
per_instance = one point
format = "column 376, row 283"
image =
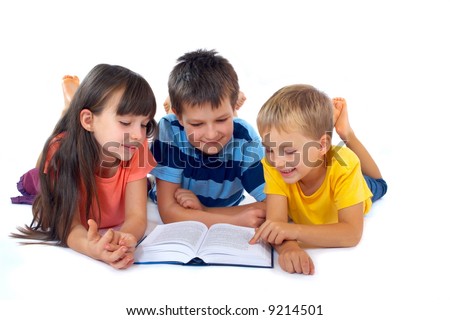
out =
column 237, row 209
column 277, row 208
column 346, row 232
column 291, row 257
column 276, row 215
column 170, row 211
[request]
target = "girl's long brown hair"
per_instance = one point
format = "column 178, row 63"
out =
column 72, row 167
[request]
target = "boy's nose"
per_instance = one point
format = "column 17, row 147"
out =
column 211, row 133
column 277, row 161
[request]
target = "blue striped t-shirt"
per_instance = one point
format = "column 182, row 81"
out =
column 217, row 180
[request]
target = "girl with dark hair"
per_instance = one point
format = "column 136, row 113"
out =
column 93, row 168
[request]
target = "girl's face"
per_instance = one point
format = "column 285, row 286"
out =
column 118, row 135
column 296, row 157
column 208, row 129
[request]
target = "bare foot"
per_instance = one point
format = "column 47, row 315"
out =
column 167, row 106
column 70, row 84
column 240, row 100
column 340, row 118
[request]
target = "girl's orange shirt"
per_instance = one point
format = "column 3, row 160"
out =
column 111, row 191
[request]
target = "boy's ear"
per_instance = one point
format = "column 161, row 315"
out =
column 86, row 118
column 325, row 144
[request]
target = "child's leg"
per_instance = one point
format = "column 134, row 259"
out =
column 70, row 84
column 378, row 187
column 345, row 132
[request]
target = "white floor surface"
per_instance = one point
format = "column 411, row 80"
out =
column 389, row 59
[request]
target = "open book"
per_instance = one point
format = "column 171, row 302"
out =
column 191, row 242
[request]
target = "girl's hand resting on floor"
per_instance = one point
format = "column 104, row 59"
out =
column 118, row 255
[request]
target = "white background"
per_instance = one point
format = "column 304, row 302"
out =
column 389, row 59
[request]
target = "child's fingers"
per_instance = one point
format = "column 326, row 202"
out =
column 304, row 265
column 116, row 255
column 128, row 240
column 124, row 263
column 297, row 263
column 112, row 247
column 125, row 260
column 255, row 238
column 106, row 241
column 286, row 264
column 181, row 192
column 92, row 233
column 189, row 204
column 301, row 266
column 312, row 268
column 258, row 233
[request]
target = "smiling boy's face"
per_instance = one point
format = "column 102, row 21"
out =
column 295, row 156
column 208, row 129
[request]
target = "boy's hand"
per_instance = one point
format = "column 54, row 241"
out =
column 251, row 217
column 275, row 232
column 119, row 258
column 294, row 259
column 187, row 199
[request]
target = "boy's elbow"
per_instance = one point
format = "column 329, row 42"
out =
column 353, row 240
column 165, row 219
column 166, row 214
column 352, row 243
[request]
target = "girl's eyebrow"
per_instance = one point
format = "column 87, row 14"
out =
column 133, row 116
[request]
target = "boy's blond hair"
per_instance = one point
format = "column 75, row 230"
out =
column 297, row 107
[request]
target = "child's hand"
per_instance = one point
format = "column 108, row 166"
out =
column 275, row 232
column 187, row 199
column 251, row 217
column 119, row 258
column 294, row 259
column 122, row 239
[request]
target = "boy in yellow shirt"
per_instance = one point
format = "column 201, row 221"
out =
column 325, row 190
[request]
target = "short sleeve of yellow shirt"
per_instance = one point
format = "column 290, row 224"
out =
column 343, row 186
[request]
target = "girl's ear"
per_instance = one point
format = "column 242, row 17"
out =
column 325, row 144
column 86, row 118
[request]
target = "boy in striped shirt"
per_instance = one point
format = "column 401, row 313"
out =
column 206, row 157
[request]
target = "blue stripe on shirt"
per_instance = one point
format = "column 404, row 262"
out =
column 219, row 179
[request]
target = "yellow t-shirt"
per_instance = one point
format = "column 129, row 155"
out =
column 343, row 186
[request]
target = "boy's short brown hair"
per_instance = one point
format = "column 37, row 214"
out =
column 201, row 77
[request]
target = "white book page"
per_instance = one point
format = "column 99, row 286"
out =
column 226, row 243
column 166, row 240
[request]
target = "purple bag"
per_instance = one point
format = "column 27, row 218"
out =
column 28, row 186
